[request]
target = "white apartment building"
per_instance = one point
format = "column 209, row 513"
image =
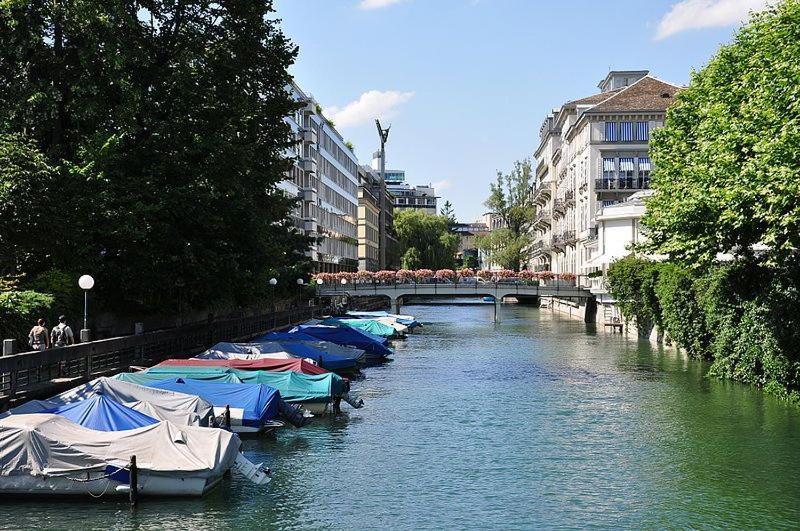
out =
column 593, row 153
column 325, row 178
column 406, row 196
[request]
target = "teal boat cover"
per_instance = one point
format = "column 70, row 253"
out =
column 293, row 386
column 365, row 325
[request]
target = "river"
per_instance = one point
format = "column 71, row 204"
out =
column 535, row 421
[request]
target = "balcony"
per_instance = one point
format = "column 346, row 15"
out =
column 310, row 225
column 559, row 206
column 592, row 238
column 308, row 164
column 307, row 135
column 622, row 184
column 308, row 195
column 569, row 197
column 542, row 217
column 568, row 237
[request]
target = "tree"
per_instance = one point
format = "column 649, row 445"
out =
column 727, row 161
column 424, row 240
column 163, row 125
column 511, row 199
column 449, row 214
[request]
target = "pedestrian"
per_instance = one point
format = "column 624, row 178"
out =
column 62, row 335
column 38, row 338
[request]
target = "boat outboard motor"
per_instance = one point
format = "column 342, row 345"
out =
column 292, row 414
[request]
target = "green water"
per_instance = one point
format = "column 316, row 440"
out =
column 537, row 421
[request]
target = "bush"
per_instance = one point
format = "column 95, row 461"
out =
column 19, row 311
column 632, row 281
column 680, row 312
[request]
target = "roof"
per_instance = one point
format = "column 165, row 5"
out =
column 647, row 94
column 593, row 99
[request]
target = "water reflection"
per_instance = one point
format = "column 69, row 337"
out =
column 535, row 421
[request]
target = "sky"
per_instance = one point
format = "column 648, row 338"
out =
column 466, row 84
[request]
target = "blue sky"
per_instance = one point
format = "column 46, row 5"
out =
column 466, row 84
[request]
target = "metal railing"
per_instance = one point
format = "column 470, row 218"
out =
column 622, row 183
column 43, row 373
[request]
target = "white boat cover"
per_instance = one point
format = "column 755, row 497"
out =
column 242, row 351
column 49, row 445
column 390, row 321
column 178, row 408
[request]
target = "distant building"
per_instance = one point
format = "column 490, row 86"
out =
column 468, row 233
column 421, row 197
column 593, row 153
column 325, row 179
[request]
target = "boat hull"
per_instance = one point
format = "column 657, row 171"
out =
column 149, row 485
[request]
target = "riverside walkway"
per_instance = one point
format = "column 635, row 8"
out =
column 400, row 291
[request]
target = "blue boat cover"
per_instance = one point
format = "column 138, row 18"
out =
column 326, row 360
column 259, row 403
column 343, row 335
column 103, row 414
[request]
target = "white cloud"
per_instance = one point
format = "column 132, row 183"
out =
column 442, row 185
column 370, row 105
column 697, row 14
column 377, row 4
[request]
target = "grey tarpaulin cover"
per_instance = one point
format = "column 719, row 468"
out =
column 49, row 445
column 179, row 408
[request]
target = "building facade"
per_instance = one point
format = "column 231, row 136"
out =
column 593, row 153
column 369, row 213
column 325, row 179
column 405, row 196
column 468, row 233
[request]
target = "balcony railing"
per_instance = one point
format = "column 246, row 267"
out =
column 542, row 216
column 592, row 238
column 559, row 205
column 568, row 237
column 614, row 184
column 569, row 197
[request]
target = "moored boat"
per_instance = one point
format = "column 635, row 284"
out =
column 49, row 455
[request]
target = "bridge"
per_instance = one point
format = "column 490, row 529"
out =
column 400, row 291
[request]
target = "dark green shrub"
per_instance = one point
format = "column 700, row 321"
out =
column 681, row 313
column 632, row 281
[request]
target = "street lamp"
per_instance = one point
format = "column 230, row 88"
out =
column 86, row 282
column 272, row 283
column 344, row 281
column 300, row 283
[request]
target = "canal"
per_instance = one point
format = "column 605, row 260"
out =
column 536, row 421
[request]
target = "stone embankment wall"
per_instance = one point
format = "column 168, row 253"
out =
column 607, row 313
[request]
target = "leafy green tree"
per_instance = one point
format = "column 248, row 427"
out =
column 162, row 126
column 424, row 240
column 727, row 161
column 511, row 199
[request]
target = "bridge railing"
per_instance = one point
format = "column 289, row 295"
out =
column 471, row 285
column 43, row 373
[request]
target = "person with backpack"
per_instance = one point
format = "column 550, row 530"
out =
column 62, row 335
column 38, row 338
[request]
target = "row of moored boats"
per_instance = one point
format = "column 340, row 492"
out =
column 182, row 419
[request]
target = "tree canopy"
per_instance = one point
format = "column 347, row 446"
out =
column 511, row 199
column 148, row 139
column 425, row 241
column 727, row 161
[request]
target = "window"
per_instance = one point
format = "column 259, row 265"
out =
column 644, row 166
column 611, row 131
column 608, row 167
column 643, row 131
column 626, row 131
column 626, row 172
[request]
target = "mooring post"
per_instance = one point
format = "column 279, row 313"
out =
column 9, row 347
column 133, row 476
column 496, row 316
column 227, row 417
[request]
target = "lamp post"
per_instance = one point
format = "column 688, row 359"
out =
column 86, row 282
column 300, row 283
column 272, row 283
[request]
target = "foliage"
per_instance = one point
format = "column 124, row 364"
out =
column 142, row 143
column 19, row 311
column 511, row 199
column 449, row 214
column 425, row 240
column 470, row 261
column 442, row 274
column 727, row 161
column 631, row 281
column 680, row 311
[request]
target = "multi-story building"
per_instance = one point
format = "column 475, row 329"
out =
column 325, row 179
column 369, row 214
column 593, row 153
column 421, row 197
column 468, row 234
